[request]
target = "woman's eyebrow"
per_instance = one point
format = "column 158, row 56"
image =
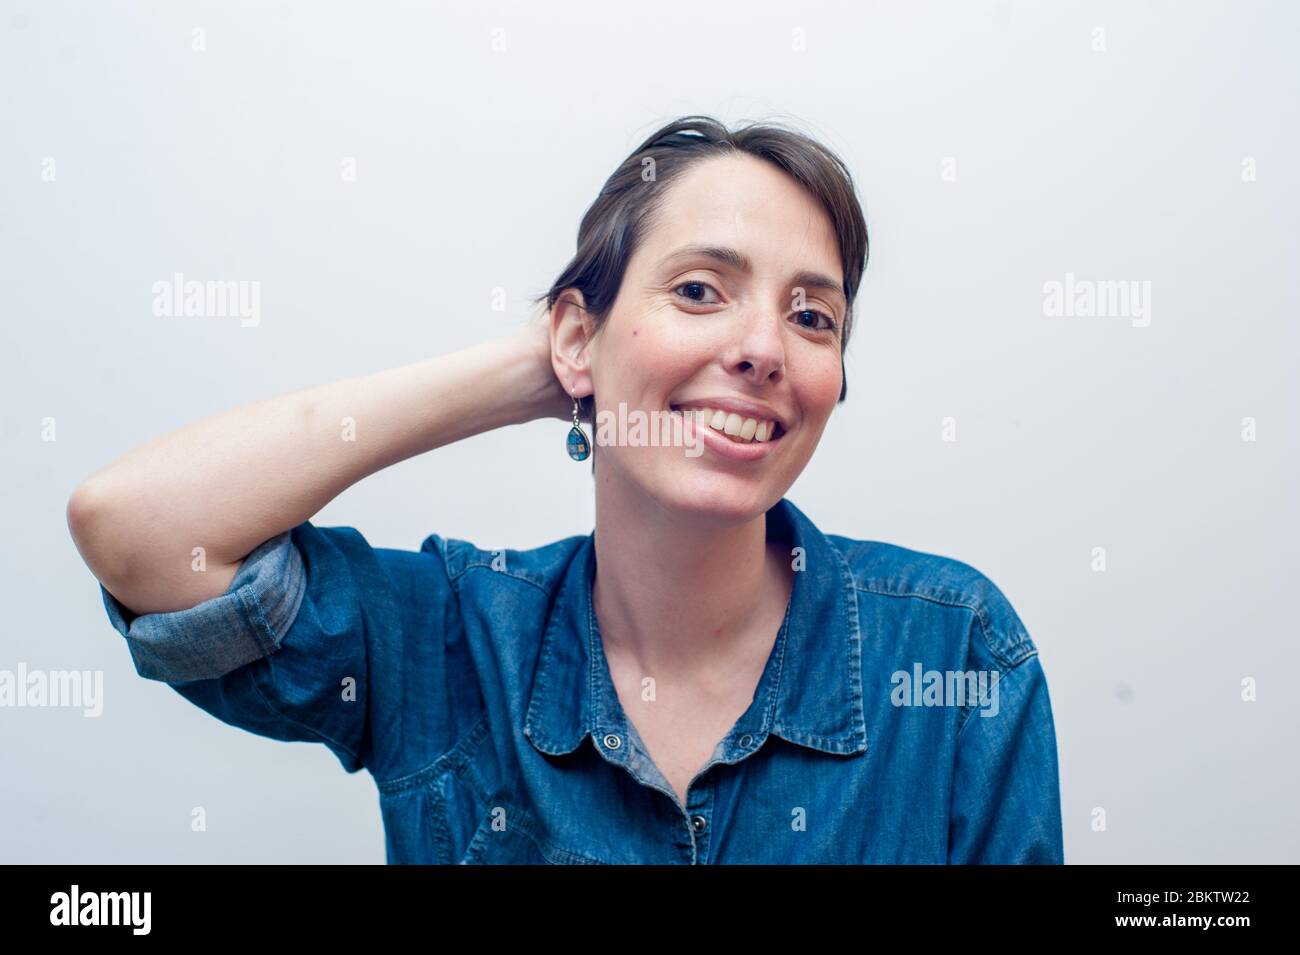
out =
column 736, row 259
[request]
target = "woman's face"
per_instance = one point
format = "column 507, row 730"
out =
column 751, row 329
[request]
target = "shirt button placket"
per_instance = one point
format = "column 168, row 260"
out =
column 698, row 809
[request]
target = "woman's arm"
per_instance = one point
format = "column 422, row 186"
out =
column 231, row 481
column 1006, row 804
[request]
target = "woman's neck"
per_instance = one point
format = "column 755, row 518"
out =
column 679, row 595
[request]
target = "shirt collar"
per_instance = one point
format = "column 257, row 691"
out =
column 810, row 692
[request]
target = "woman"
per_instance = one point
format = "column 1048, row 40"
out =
column 707, row 677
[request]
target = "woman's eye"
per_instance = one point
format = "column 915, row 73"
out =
column 696, row 292
column 830, row 322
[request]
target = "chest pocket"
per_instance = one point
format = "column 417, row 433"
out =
column 507, row 835
column 476, row 818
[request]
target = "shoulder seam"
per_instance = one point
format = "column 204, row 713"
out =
column 481, row 564
column 460, row 556
column 976, row 610
column 1013, row 668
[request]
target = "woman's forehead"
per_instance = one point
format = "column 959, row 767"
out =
column 746, row 204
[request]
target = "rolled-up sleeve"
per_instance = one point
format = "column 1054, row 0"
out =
column 221, row 634
column 1006, row 783
column 319, row 638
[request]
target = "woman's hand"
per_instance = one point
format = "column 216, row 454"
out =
column 556, row 402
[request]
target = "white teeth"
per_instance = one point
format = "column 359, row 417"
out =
column 733, row 425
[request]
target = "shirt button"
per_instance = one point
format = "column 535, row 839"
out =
column 698, row 823
column 612, row 741
column 745, row 741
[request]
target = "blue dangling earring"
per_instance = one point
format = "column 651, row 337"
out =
column 577, row 444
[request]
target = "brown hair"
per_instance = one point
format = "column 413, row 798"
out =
column 624, row 212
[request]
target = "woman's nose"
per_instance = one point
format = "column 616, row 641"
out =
column 759, row 354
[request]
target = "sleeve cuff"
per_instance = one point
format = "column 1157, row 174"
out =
column 210, row 639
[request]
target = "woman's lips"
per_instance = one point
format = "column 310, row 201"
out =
column 724, row 446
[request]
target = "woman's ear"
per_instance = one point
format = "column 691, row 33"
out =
column 571, row 332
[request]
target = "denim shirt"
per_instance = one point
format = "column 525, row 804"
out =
column 474, row 688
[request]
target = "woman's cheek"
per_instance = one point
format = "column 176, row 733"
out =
column 823, row 391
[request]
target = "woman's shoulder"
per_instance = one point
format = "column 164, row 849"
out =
column 542, row 565
column 892, row 571
column 893, row 568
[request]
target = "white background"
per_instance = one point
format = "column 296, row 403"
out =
column 474, row 167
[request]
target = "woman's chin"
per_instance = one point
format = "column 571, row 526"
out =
column 726, row 500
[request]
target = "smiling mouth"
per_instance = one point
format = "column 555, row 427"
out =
column 735, row 427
